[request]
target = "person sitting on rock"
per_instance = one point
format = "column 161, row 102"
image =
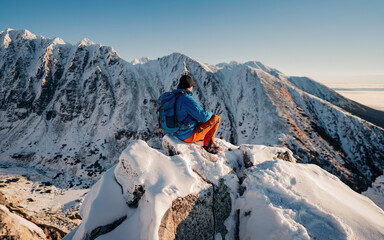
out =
column 197, row 123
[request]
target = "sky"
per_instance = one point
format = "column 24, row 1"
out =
column 331, row 41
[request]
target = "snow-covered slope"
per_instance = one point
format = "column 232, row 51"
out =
column 319, row 90
column 149, row 195
column 72, row 109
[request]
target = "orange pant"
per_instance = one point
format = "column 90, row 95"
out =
column 205, row 131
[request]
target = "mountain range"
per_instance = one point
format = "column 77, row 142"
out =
column 72, row 109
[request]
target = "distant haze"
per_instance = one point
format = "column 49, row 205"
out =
column 365, row 89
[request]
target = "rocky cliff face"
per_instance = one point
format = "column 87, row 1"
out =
column 73, row 108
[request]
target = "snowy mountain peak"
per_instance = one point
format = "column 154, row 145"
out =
column 58, row 40
column 9, row 35
column 27, row 35
column 85, row 42
column 186, row 62
column 142, row 60
column 251, row 64
column 259, row 65
column 6, row 31
column 176, row 57
column 24, row 34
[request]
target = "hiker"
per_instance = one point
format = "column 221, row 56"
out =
column 197, row 123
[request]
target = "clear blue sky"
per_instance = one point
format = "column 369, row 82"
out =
column 327, row 40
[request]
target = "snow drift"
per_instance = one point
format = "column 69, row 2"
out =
column 248, row 192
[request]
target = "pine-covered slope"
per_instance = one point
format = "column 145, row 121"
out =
column 74, row 108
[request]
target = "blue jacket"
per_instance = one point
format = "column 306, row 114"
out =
column 189, row 113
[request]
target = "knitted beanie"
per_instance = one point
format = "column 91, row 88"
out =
column 185, row 82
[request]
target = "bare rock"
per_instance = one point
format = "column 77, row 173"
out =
column 11, row 228
column 192, row 210
column 286, row 156
column 205, row 211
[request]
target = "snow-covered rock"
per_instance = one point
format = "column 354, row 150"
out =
column 376, row 192
column 150, row 195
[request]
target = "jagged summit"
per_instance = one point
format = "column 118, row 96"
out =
column 58, row 40
column 85, row 42
column 15, row 34
column 9, row 35
column 24, row 34
column 249, row 193
column 176, row 57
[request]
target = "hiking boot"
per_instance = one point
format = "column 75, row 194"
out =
column 212, row 150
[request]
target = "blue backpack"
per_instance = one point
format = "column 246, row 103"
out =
column 166, row 107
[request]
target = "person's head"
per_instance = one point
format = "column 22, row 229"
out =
column 186, row 82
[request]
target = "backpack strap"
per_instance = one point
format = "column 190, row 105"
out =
column 182, row 121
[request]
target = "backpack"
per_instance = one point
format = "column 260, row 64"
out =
column 166, row 107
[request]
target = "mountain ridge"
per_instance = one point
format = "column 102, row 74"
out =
column 78, row 106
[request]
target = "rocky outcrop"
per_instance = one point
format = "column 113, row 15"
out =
column 16, row 224
column 206, row 211
column 191, row 210
column 187, row 196
column 14, row 227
